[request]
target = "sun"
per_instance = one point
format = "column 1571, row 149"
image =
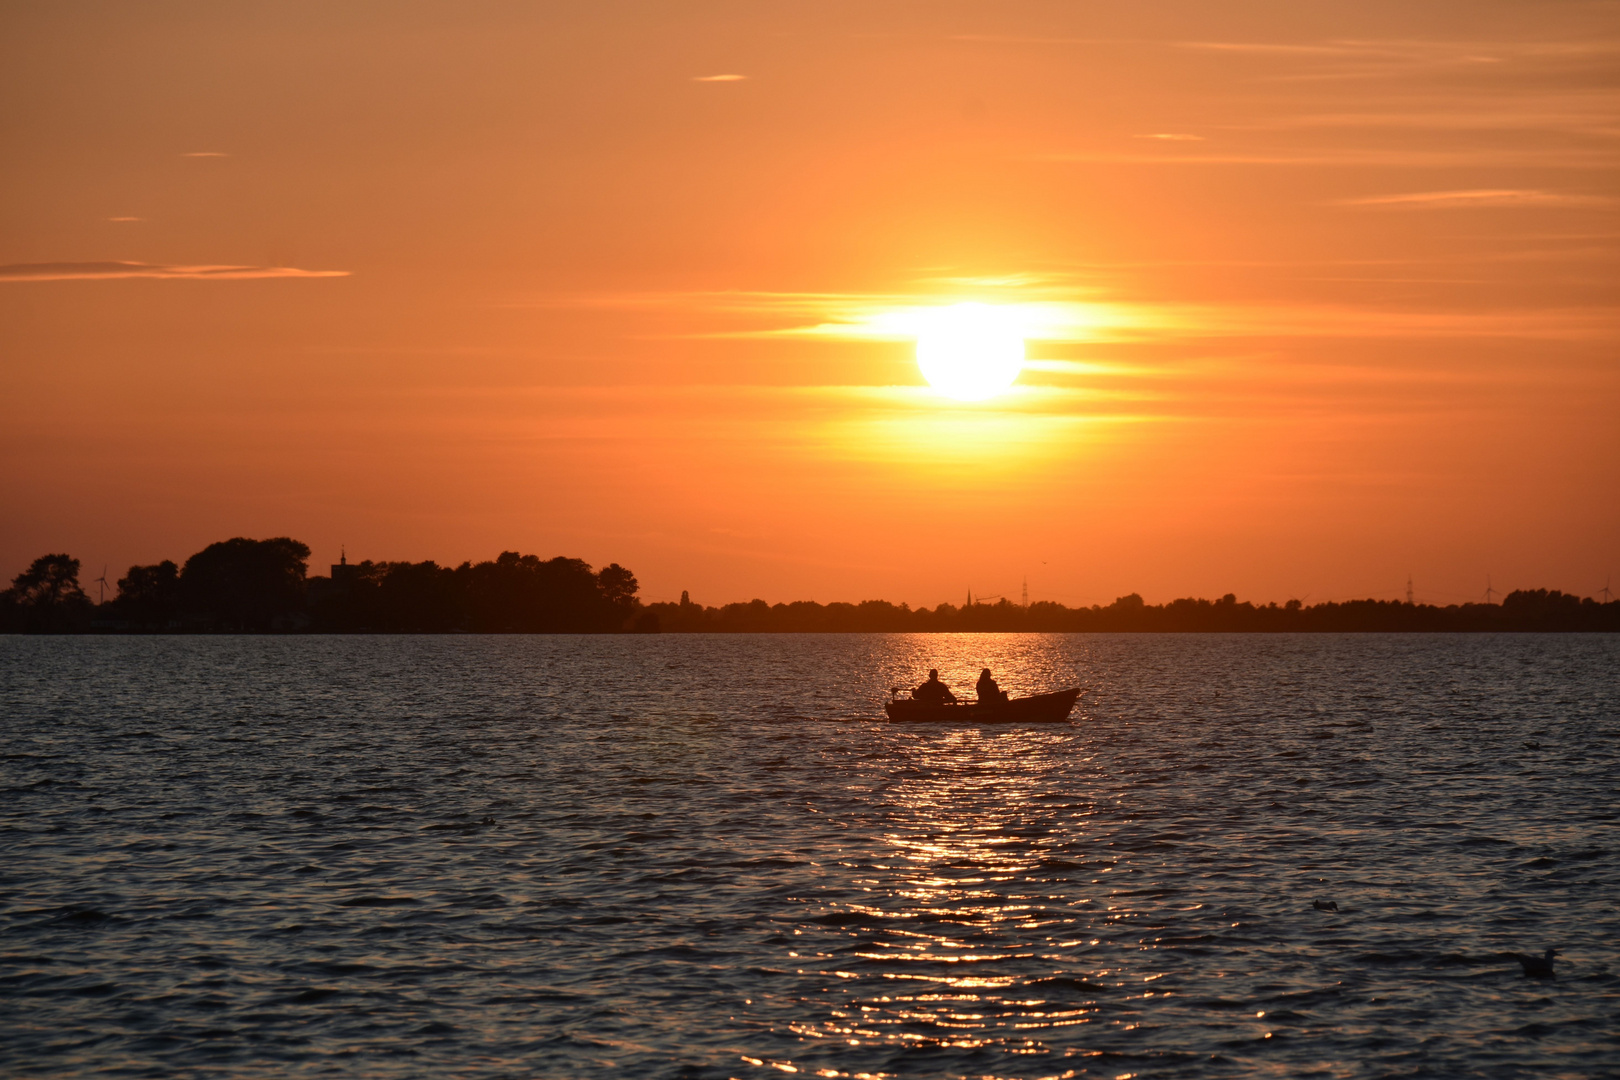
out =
column 970, row 352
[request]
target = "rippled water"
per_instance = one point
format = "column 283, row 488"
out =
column 702, row 857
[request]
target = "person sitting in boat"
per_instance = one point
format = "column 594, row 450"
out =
column 989, row 693
column 933, row 692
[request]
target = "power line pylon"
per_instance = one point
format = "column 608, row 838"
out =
column 1408, row 588
column 1026, row 590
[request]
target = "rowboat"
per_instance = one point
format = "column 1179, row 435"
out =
column 1051, row 708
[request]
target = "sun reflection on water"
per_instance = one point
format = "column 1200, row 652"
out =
column 959, row 943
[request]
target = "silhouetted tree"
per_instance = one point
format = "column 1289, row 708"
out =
column 523, row 594
column 618, row 586
column 1530, row 610
column 1535, row 608
column 149, row 596
column 513, row 593
column 418, row 598
column 243, row 584
column 46, row 598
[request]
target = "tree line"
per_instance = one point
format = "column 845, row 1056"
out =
column 1523, row 610
column 263, row 586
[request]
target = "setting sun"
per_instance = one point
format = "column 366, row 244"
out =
column 970, row 352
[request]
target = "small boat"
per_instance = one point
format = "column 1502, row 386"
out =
column 1051, row 708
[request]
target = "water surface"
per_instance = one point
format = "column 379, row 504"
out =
column 704, row 857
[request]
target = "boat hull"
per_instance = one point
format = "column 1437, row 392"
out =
column 1040, row 709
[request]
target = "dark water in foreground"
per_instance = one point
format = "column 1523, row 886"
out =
column 699, row 856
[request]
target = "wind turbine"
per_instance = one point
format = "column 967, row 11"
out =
column 1488, row 590
column 1607, row 595
column 101, row 584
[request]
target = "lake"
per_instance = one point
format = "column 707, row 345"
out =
column 704, row 856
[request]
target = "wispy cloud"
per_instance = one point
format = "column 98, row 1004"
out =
column 1570, row 158
column 1045, row 316
column 719, row 78
column 1591, row 114
column 126, row 218
column 1263, row 48
column 1088, row 322
column 107, row 271
column 206, row 153
column 1170, row 136
column 1439, row 200
column 1026, row 39
column 1397, row 52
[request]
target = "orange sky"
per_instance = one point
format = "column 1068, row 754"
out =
column 1329, row 292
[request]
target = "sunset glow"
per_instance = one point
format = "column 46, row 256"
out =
column 846, row 538
column 1288, row 300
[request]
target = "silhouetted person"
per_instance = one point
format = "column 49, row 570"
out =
column 933, row 692
column 989, row 693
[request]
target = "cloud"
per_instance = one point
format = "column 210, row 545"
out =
column 1420, row 52
column 1494, row 112
column 1297, row 49
column 1495, row 157
column 1046, row 315
column 126, row 218
column 206, row 153
column 1011, row 39
column 107, row 271
column 719, row 78
column 1171, row 137
column 1419, row 200
column 1526, row 64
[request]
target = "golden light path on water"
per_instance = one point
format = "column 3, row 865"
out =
column 961, row 899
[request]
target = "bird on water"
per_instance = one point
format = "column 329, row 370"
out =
column 1538, row 966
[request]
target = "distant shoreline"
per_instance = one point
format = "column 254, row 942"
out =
column 263, row 586
column 781, row 633
column 1525, row 611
